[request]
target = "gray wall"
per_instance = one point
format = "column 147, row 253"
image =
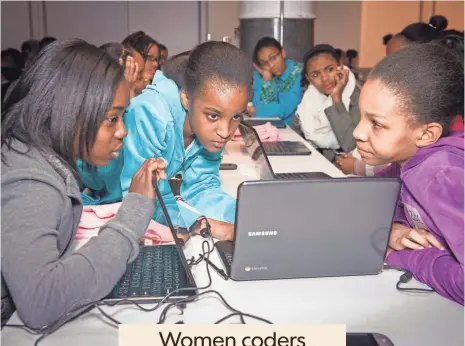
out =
column 96, row 22
column 15, row 23
column 174, row 23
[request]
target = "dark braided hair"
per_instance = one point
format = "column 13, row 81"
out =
column 427, row 79
column 116, row 50
column 220, row 62
column 141, row 42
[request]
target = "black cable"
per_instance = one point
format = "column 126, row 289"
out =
column 97, row 304
column 242, row 319
column 205, row 233
column 42, row 337
column 235, row 311
column 406, row 277
column 242, row 314
column 114, row 320
column 205, row 253
column 190, row 299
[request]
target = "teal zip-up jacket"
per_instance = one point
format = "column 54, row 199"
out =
column 280, row 96
column 155, row 122
column 101, row 185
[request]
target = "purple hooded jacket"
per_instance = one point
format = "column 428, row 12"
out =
column 431, row 198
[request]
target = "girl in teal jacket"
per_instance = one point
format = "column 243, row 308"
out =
column 276, row 88
column 187, row 124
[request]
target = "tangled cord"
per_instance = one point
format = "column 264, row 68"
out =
column 179, row 304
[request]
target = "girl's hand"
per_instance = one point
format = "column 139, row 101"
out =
column 403, row 237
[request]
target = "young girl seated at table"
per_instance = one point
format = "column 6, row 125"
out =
column 329, row 111
column 68, row 105
column 276, row 87
column 407, row 108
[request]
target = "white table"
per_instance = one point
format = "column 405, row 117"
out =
column 364, row 303
column 235, row 153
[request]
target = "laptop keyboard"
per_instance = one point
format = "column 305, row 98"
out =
column 303, row 175
column 291, row 176
column 285, row 148
column 275, row 147
column 157, row 271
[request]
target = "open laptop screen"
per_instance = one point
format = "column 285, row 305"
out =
column 256, row 152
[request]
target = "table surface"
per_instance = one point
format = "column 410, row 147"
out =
column 363, row 303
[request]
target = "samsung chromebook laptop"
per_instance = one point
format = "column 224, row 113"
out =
column 255, row 149
column 310, row 228
column 156, row 272
column 275, row 148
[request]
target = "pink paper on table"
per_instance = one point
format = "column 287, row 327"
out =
column 95, row 216
column 266, row 132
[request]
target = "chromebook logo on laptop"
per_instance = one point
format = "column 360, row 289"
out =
column 263, row 234
column 248, row 269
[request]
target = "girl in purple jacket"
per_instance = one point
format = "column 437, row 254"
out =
column 407, row 107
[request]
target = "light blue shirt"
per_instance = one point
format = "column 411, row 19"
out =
column 155, row 122
column 280, row 96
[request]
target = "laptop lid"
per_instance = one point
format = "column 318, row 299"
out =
column 179, row 242
column 312, row 228
column 255, row 149
column 279, row 123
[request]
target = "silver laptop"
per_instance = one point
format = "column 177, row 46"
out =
column 255, row 149
column 277, row 148
column 310, row 228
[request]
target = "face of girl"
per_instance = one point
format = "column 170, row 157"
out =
column 273, row 60
column 386, row 132
column 109, row 140
column 215, row 112
column 151, row 62
column 321, row 72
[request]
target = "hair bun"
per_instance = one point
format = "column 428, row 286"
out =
column 386, row 38
column 438, row 22
column 453, row 42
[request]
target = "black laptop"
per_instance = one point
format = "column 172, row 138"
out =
column 276, row 147
column 287, row 229
column 254, row 147
column 280, row 124
column 156, row 272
